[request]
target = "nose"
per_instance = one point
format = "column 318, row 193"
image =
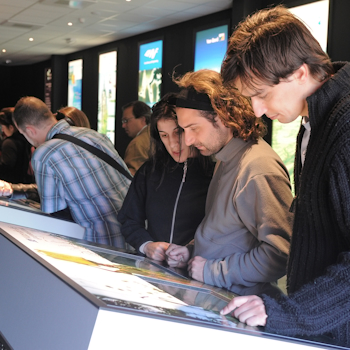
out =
column 174, row 142
column 123, row 125
column 258, row 107
column 189, row 139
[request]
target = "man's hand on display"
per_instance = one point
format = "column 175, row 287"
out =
column 247, row 309
column 196, row 268
column 5, row 189
column 177, row 255
column 156, row 250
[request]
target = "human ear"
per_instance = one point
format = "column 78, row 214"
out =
column 302, row 73
column 31, row 131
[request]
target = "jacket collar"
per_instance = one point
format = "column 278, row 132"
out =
column 329, row 94
column 230, row 150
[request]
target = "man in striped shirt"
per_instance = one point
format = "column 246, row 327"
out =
column 72, row 178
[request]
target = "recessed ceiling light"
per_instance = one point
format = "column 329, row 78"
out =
column 128, row 0
column 3, row 50
column 70, row 24
column 31, row 39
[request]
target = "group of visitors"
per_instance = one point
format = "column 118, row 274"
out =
column 232, row 225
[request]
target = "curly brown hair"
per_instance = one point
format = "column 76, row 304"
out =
column 230, row 106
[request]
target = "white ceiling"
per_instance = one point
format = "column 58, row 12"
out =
column 94, row 22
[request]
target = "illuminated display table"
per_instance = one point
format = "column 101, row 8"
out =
column 27, row 213
column 64, row 293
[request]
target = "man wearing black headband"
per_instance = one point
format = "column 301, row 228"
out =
column 244, row 236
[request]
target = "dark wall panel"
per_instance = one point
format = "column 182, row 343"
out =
column 22, row 81
column 178, row 51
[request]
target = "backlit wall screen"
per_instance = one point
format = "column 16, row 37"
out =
column 210, row 48
column 150, row 72
column 107, row 84
column 75, row 77
column 315, row 16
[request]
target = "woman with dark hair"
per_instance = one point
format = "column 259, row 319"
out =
column 15, row 151
column 166, row 199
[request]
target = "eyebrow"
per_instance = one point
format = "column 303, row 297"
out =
column 166, row 132
column 189, row 125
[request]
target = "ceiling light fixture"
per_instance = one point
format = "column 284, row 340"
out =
column 3, row 50
column 70, row 24
column 31, row 39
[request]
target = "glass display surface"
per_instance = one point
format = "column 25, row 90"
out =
column 107, row 84
column 75, row 76
column 210, row 48
column 23, row 204
column 131, row 284
column 150, row 72
column 123, row 280
column 315, row 16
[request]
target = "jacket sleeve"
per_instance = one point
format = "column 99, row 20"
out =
column 132, row 215
column 28, row 191
column 319, row 307
column 339, row 189
column 263, row 207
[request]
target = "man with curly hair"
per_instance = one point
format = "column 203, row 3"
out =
column 244, row 236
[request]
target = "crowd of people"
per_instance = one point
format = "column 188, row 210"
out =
column 237, row 225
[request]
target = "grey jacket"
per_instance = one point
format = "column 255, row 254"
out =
column 246, row 231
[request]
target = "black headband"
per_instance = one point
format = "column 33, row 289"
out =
column 190, row 98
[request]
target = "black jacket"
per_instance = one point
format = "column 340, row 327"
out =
column 14, row 160
column 152, row 200
column 318, row 273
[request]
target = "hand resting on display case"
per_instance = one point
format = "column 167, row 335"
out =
column 248, row 309
column 5, row 189
column 156, row 250
column 177, row 255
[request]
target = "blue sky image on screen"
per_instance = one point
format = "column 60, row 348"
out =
column 211, row 45
column 151, row 55
column 75, row 77
column 150, row 72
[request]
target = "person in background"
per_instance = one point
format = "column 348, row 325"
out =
column 15, row 151
column 71, row 179
column 168, row 191
column 274, row 60
column 135, row 120
column 73, row 116
column 244, row 236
